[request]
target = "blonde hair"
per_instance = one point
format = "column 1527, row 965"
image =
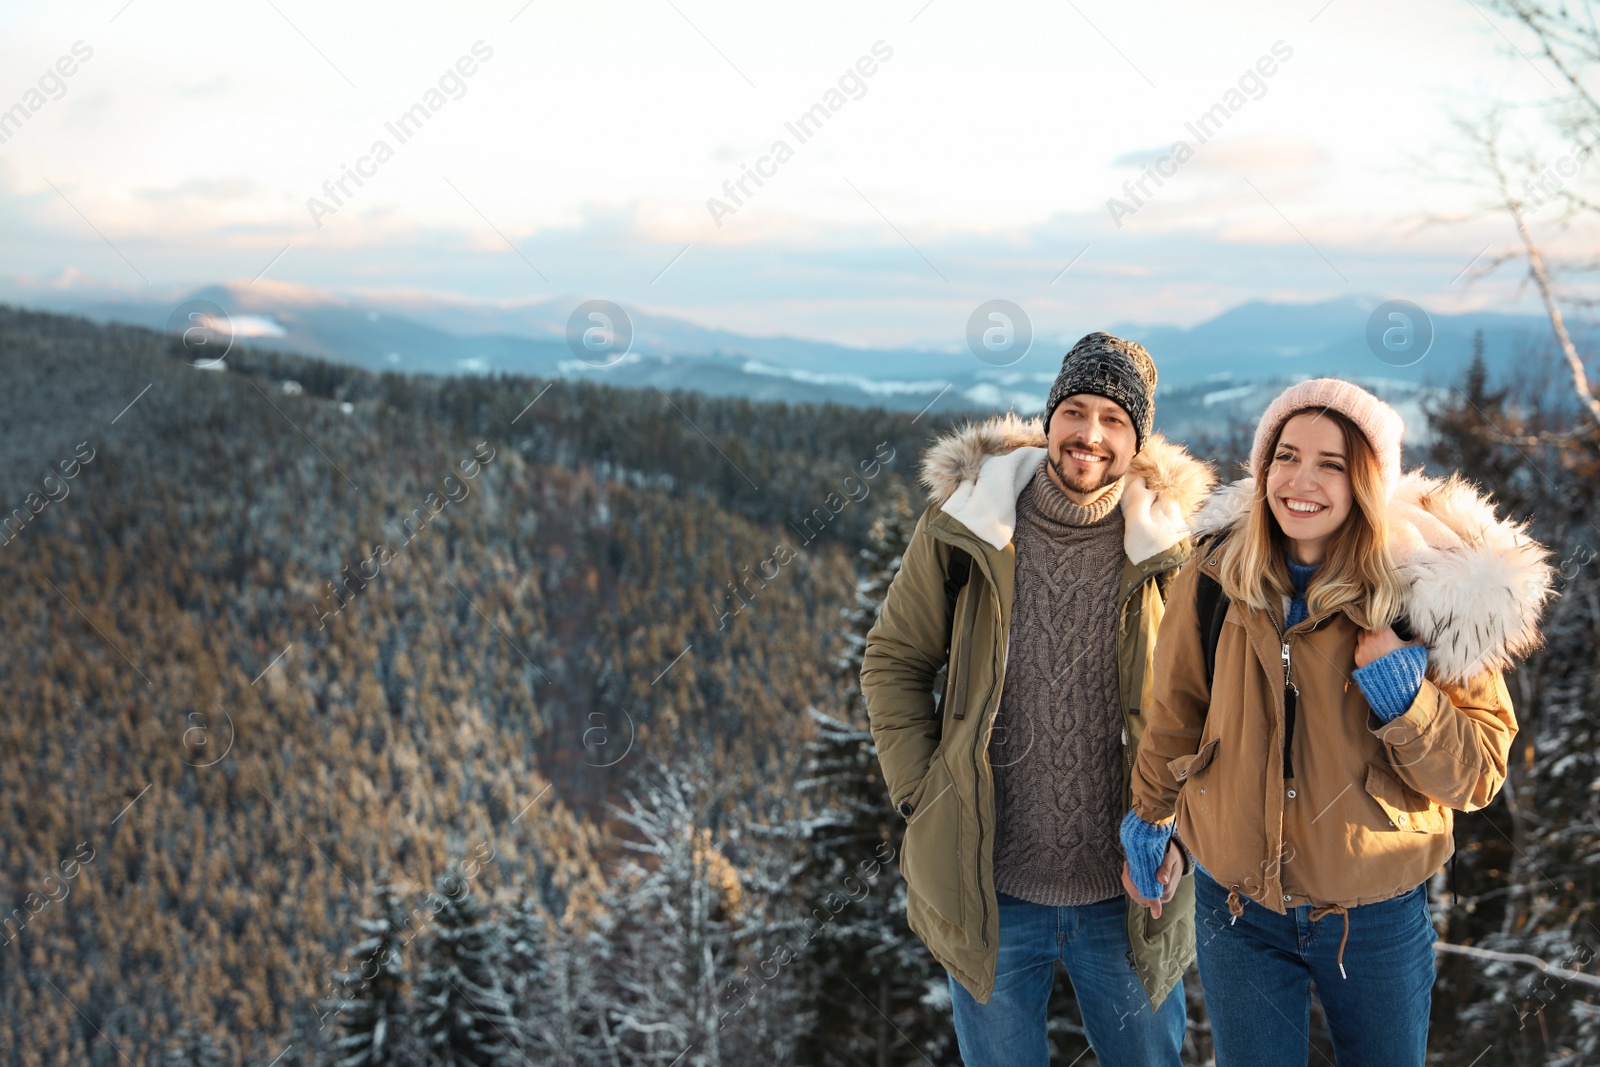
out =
column 1357, row 573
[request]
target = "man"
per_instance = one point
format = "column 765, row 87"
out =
column 1014, row 785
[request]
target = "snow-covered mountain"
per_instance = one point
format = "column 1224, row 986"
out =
column 1208, row 371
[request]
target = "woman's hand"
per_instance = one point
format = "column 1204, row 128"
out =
column 1167, row 874
column 1375, row 644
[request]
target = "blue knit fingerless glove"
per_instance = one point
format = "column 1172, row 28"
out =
column 1146, row 846
column 1390, row 682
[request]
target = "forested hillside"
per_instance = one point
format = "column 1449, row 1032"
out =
column 371, row 719
column 234, row 758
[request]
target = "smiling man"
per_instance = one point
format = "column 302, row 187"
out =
column 1038, row 573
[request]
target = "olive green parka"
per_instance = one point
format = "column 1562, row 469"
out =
column 936, row 762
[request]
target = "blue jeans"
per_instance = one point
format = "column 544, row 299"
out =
column 1257, row 976
column 1092, row 940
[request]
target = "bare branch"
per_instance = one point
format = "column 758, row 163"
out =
column 1577, row 202
column 1526, row 14
column 1522, row 959
column 1580, row 380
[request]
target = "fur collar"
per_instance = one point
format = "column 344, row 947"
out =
column 976, row 473
column 1478, row 583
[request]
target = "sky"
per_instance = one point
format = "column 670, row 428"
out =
column 965, row 153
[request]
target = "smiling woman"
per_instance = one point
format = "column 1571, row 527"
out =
column 1308, row 488
column 1308, row 756
column 1319, row 467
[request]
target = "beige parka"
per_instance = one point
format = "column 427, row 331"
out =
column 1368, row 812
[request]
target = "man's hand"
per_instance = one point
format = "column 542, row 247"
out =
column 1375, row 644
column 1167, row 874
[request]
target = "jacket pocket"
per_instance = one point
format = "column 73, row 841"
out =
column 1186, row 767
column 930, row 854
column 1407, row 809
column 1163, row 948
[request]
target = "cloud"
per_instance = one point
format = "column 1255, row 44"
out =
column 855, row 281
column 1141, row 157
column 234, row 187
column 731, row 152
column 1248, row 156
column 1254, row 156
column 216, row 86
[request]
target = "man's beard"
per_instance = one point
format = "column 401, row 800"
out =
column 1085, row 483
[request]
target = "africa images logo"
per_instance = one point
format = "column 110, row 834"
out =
column 405, row 126
column 806, row 126
column 1205, row 127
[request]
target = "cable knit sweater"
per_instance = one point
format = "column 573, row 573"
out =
column 1056, row 749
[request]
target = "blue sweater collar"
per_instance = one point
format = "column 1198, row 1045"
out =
column 1300, row 573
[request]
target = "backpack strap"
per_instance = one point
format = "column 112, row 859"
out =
column 956, row 577
column 957, row 572
column 1211, row 607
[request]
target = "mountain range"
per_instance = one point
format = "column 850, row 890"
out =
column 1227, row 365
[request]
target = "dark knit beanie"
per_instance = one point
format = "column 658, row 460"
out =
column 1121, row 371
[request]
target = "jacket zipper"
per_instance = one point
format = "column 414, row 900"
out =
column 994, row 683
column 1291, row 692
column 1291, row 703
column 961, row 712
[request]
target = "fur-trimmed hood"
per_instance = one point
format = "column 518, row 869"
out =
column 976, row 473
column 1478, row 584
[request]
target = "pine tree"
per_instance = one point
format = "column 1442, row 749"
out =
column 465, row 1012
column 527, row 969
column 765, row 1010
column 552, row 986
column 1465, row 424
column 668, row 921
column 1528, row 883
column 874, row 986
column 193, row 1048
column 373, row 1011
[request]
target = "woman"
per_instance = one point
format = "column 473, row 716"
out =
column 1307, row 755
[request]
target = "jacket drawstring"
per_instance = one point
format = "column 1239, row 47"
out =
column 1329, row 909
column 1235, row 905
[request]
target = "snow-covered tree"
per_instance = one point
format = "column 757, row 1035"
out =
column 465, row 1012
column 873, row 985
column 1526, row 922
column 553, row 986
column 372, row 1010
column 685, row 930
column 194, row 1048
column 668, row 922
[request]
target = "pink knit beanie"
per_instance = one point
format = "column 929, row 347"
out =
column 1377, row 421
